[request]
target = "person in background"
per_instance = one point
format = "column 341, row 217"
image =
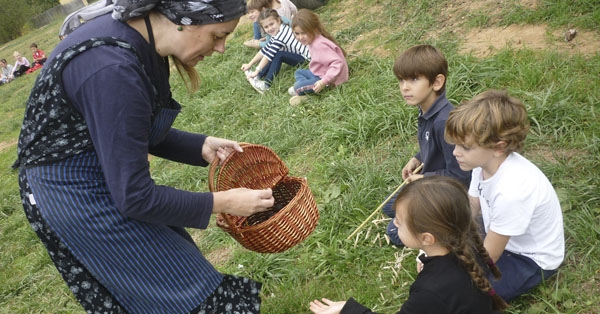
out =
column 286, row 10
column 38, row 56
column 327, row 67
column 433, row 214
column 21, row 66
column 102, row 104
column 6, row 72
column 519, row 208
column 281, row 48
column 422, row 71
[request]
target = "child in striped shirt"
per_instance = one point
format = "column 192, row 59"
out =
column 282, row 47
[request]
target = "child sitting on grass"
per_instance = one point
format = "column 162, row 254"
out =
column 281, row 48
column 521, row 212
column 433, row 214
column 327, row 67
column 286, row 10
column 422, row 72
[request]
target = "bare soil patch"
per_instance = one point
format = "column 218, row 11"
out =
column 480, row 42
column 7, row 145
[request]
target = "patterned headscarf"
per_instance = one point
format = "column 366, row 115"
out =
column 189, row 12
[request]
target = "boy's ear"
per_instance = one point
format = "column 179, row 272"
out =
column 438, row 83
column 500, row 148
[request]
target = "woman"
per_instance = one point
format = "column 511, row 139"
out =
column 93, row 116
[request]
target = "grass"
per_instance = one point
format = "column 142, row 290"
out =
column 351, row 144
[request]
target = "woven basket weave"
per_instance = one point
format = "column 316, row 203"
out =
column 294, row 215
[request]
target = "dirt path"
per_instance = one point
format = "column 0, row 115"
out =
column 6, row 145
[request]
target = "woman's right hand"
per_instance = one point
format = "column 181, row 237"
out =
column 242, row 201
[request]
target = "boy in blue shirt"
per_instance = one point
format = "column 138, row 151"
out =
column 422, row 71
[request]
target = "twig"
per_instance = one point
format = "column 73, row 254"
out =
column 382, row 204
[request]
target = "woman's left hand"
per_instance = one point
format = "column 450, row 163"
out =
column 219, row 147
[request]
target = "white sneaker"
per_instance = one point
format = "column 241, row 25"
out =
column 248, row 72
column 259, row 85
column 292, row 91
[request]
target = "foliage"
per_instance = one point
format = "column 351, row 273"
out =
column 14, row 15
column 350, row 143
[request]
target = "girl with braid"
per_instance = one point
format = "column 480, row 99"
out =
column 433, row 214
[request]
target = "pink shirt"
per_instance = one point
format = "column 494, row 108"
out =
column 328, row 61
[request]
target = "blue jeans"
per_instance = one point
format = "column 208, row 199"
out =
column 305, row 81
column 273, row 67
column 256, row 31
column 391, row 230
column 519, row 275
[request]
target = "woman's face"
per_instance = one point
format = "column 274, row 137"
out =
column 195, row 42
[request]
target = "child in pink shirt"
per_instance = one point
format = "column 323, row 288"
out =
column 328, row 66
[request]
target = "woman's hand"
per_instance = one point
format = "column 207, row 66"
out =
column 327, row 306
column 242, row 201
column 218, row 147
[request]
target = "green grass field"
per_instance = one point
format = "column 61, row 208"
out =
column 351, row 144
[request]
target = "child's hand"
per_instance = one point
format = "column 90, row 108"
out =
column 318, row 86
column 327, row 306
column 410, row 167
column 414, row 177
column 246, row 67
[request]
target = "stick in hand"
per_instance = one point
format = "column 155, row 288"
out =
column 382, row 204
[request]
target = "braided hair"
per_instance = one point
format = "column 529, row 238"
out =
column 440, row 205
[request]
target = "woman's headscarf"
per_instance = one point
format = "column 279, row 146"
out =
column 189, row 12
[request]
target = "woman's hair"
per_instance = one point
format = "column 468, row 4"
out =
column 440, row 205
column 310, row 23
column 423, row 60
column 267, row 13
column 487, row 119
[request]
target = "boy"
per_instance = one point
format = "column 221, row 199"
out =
column 422, row 71
column 39, row 57
column 520, row 210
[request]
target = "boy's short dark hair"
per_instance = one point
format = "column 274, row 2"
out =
column 424, row 60
column 33, row 45
column 258, row 5
column 487, row 119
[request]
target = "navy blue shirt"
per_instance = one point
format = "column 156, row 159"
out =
column 113, row 91
column 435, row 152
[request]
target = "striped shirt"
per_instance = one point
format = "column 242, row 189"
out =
column 286, row 41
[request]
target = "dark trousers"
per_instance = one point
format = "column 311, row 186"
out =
column 273, row 67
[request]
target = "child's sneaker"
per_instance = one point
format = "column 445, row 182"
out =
column 292, row 91
column 296, row 100
column 259, row 85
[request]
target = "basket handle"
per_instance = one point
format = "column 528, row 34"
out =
column 212, row 170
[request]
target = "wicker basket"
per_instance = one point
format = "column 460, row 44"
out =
column 294, row 215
